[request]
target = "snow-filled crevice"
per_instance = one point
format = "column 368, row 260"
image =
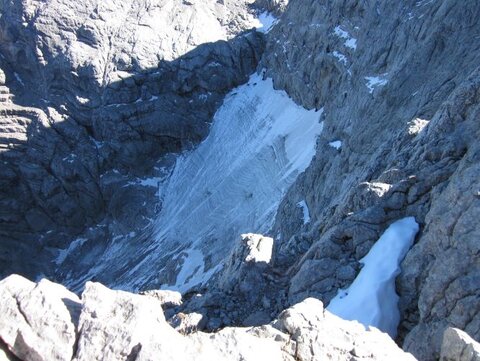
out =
column 371, row 299
column 232, row 183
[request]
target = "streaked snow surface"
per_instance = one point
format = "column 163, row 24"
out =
column 231, row 184
column 371, row 299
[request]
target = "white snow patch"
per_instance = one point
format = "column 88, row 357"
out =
column 63, row 254
column 82, row 100
column 147, row 182
column 337, row 144
column 265, row 22
column 350, row 42
column 371, row 299
column 306, row 213
column 260, row 247
column 375, row 81
column 150, row 182
column 342, row 58
column 415, row 126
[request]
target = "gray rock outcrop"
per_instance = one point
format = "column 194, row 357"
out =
column 457, row 345
column 400, row 100
column 38, row 320
column 117, row 325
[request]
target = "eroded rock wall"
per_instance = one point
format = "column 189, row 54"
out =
column 400, row 99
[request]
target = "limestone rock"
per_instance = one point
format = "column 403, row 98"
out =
column 407, row 150
column 320, row 335
column 251, row 255
column 38, row 320
column 274, row 6
column 117, row 325
column 458, row 346
column 187, row 323
column 167, row 298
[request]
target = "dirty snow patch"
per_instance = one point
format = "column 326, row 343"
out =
column 63, row 254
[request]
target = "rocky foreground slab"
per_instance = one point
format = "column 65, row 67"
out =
column 45, row 321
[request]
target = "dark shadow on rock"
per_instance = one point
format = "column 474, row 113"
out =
column 72, row 150
column 8, row 353
column 74, row 308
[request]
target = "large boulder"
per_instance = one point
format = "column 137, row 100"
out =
column 38, row 321
column 459, row 346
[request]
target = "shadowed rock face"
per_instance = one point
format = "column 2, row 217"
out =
column 91, row 102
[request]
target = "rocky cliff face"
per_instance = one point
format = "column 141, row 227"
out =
column 94, row 95
column 94, row 105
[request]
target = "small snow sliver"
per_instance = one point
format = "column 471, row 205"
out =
column 371, row 299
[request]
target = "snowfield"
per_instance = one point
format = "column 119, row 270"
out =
column 231, row 184
column 260, row 141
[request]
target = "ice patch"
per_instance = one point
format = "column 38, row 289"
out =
column 371, row 299
column 306, row 213
column 265, row 22
column 349, row 41
column 375, row 81
column 337, row 144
